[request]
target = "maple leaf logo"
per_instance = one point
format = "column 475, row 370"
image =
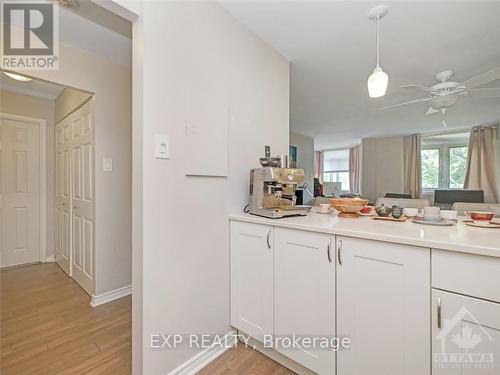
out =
column 467, row 340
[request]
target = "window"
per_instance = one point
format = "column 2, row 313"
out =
column 336, row 168
column 457, row 166
column 430, row 168
column 443, row 166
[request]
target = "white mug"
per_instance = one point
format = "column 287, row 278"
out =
column 324, row 208
column 432, row 211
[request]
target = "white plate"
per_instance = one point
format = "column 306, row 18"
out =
column 490, row 225
column 369, row 214
column 442, row 223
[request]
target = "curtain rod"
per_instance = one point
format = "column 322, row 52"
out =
column 455, row 131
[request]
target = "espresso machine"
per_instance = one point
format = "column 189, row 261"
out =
column 272, row 192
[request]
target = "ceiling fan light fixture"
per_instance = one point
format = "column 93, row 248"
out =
column 377, row 83
column 17, row 77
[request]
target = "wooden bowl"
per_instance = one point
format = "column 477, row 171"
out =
column 348, row 207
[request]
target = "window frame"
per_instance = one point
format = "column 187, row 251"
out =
column 444, row 165
column 339, row 171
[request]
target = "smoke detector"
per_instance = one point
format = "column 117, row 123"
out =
column 69, row 3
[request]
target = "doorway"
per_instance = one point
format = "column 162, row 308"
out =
column 47, row 177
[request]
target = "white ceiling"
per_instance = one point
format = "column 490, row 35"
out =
column 86, row 34
column 331, row 46
column 39, row 89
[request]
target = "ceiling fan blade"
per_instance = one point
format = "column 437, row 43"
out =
column 413, row 86
column 421, row 100
column 493, row 92
column 481, row 79
column 431, row 111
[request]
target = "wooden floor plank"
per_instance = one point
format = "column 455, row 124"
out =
column 47, row 326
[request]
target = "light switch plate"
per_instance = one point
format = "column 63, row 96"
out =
column 107, row 165
column 162, row 146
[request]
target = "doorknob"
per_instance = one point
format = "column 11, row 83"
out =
column 75, row 207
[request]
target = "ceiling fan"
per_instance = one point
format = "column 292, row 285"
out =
column 445, row 94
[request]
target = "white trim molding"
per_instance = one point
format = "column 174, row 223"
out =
column 103, row 298
column 205, row 357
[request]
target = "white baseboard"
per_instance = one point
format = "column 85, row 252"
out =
column 203, row 358
column 50, row 259
column 110, row 296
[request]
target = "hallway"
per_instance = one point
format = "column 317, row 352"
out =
column 48, row 326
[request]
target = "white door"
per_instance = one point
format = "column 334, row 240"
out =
column 383, row 304
column 82, row 193
column 304, row 296
column 466, row 335
column 63, row 197
column 20, row 192
column 252, row 279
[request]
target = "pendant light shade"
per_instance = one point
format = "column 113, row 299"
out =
column 377, row 83
column 378, row 80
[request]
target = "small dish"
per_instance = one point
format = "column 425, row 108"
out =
column 483, row 225
column 368, row 214
column 441, row 223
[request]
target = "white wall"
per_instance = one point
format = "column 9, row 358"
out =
column 112, row 86
column 30, row 106
column 305, row 158
column 382, row 167
column 189, row 50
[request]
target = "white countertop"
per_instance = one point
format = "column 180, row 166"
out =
column 459, row 237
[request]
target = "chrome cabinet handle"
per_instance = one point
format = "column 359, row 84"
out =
column 439, row 313
column 267, row 239
column 328, row 249
column 338, row 252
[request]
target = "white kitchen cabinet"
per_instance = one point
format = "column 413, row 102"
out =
column 252, row 278
column 304, row 295
column 465, row 334
column 383, row 304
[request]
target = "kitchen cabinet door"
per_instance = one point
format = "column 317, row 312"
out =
column 383, row 304
column 252, row 278
column 465, row 334
column 304, row 295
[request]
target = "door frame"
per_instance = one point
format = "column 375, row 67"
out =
column 42, row 124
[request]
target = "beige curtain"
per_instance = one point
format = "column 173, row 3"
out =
column 412, row 168
column 354, row 169
column 481, row 173
column 318, row 165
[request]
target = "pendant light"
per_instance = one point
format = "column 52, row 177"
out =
column 378, row 80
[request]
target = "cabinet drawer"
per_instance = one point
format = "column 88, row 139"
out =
column 472, row 275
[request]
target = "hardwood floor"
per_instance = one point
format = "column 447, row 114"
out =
column 244, row 361
column 48, row 327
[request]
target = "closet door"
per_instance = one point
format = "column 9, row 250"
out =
column 63, row 196
column 82, row 197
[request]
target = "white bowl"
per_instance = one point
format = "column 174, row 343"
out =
column 410, row 212
column 433, row 218
column 449, row 214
